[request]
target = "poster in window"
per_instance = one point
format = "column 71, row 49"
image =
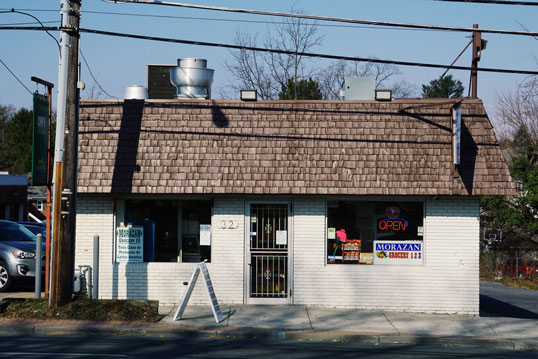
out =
column 399, row 252
column 281, row 238
column 130, row 245
column 205, row 234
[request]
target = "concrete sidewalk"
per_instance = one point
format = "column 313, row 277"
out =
column 309, row 323
column 394, row 326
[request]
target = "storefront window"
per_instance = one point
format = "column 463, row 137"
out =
column 173, row 231
column 388, row 232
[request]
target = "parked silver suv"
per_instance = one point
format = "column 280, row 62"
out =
column 17, row 254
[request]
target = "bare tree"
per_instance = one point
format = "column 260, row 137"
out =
column 332, row 78
column 519, row 111
column 268, row 72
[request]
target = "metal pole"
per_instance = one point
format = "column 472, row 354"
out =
column 95, row 279
column 38, row 246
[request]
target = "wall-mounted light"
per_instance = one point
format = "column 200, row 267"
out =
column 249, row 95
column 383, row 95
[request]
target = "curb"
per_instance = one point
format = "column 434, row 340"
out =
column 37, row 327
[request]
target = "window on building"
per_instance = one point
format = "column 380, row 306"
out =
column 371, row 232
column 173, row 231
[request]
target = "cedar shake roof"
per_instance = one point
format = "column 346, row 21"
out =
column 403, row 147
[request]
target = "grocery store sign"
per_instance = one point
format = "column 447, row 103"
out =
column 130, row 244
column 398, row 252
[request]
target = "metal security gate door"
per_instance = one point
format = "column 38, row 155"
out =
column 268, row 277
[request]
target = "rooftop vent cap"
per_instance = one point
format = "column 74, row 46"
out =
column 192, row 79
column 136, row 92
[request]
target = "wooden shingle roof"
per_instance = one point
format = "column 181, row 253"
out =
column 403, row 147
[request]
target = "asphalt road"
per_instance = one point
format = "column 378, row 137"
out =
column 497, row 300
column 37, row 347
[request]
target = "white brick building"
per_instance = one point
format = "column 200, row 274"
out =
column 272, row 182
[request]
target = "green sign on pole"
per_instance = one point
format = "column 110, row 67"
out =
column 40, row 140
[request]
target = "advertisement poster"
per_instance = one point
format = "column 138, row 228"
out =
column 399, row 252
column 205, row 234
column 130, row 245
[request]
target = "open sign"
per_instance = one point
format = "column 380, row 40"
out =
column 397, row 224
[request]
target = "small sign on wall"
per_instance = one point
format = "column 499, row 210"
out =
column 130, row 244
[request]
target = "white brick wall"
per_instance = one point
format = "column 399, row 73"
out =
column 163, row 281
column 446, row 283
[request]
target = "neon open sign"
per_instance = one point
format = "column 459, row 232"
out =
column 396, row 224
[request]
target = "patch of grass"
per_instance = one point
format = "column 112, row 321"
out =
column 82, row 308
column 520, row 283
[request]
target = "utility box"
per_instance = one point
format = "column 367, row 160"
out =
column 359, row 88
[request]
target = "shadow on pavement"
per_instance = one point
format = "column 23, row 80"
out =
column 490, row 307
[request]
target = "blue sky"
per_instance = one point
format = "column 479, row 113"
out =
column 119, row 62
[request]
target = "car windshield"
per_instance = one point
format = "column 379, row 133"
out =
column 14, row 232
column 36, row 230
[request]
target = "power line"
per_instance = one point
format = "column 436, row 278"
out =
column 36, row 19
column 15, row 76
column 226, row 20
column 306, row 54
column 285, row 52
column 93, row 77
column 372, row 24
column 324, row 18
column 30, row 23
column 496, row 2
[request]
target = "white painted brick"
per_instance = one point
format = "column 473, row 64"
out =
column 446, row 283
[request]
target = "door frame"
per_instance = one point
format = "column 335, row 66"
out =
column 246, row 271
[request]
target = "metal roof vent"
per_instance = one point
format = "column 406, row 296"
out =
column 136, row 92
column 192, row 78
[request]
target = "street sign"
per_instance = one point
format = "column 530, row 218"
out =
column 40, row 140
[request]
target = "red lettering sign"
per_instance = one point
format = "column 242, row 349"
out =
column 394, row 225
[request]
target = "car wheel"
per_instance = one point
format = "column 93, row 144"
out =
column 5, row 278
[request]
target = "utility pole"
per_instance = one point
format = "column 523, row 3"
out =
column 66, row 153
column 477, row 52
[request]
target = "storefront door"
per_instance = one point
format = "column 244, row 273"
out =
column 268, row 278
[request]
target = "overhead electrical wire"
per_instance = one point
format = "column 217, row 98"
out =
column 323, row 18
column 496, row 2
column 36, row 19
column 370, row 24
column 93, row 77
column 15, row 76
column 261, row 49
column 306, row 54
column 197, row 18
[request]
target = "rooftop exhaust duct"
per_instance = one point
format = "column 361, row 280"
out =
column 192, row 79
column 136, row 92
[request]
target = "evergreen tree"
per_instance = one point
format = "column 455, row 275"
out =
column 446, row 88
column 16, row 141
column 300, row 90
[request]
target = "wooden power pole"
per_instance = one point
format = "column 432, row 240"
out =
column 477, row 53
column 65, row 186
